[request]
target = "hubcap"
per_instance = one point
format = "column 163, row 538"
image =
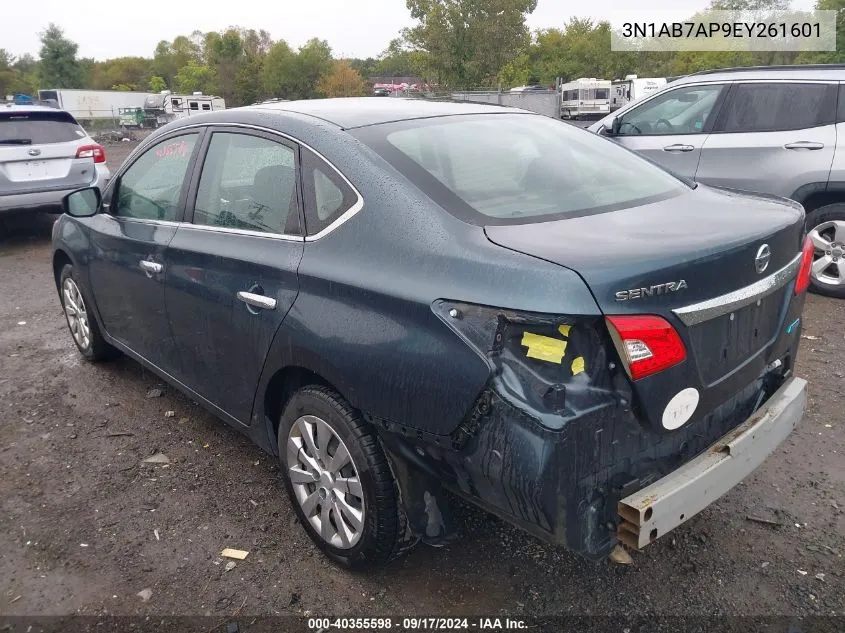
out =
column 829, row 261
column 76, row 313
column 325, row 482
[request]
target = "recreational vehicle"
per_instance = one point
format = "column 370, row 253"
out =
column 585, row 97
column 632, row 88
column 166, row 106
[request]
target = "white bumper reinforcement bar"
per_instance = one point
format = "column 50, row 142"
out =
column 683, row 493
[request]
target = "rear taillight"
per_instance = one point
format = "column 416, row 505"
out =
column 92, row 151
column 646, row 343
column 802, row 282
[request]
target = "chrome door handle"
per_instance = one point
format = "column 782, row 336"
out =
column 151, row 268
column 804, row 145
column 257, row 301
column 678, row 148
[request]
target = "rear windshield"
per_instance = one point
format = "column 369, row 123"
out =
column 518, row 168
column 38, row 128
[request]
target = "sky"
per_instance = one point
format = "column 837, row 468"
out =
column 354, row 28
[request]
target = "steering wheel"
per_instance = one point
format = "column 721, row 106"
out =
column 669, row 126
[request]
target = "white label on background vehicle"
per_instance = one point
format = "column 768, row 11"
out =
column 680, row 408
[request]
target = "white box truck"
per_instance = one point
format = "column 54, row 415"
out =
column 92, row 105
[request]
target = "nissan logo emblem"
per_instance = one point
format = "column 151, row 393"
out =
column 764, row 256
column 34, row 152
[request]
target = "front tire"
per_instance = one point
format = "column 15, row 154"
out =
column 826, row 228
column 80, row 321
column 339, row 480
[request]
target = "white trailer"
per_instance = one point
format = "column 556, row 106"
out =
column 633, row 88
column 166, row 106
column 91, row 105
column 586, row 96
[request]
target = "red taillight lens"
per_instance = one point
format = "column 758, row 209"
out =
column 647, row 344
column 92, row 151
column 802, row 282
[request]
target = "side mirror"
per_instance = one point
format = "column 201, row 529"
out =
column 615, row 125
column 83, row 203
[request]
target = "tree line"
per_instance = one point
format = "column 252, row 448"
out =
column 452, row 44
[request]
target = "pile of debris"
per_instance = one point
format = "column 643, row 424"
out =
column 114, row 136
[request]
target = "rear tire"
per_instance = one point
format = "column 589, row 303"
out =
column 81, row 322
column 352, row 513
column 826, row 225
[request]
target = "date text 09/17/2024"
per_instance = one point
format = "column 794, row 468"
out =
column 323, row 625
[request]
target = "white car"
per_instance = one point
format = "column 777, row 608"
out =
column 44, row 155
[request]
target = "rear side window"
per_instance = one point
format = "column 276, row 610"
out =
column 327, row 194
column 38, row 128
column 775, row 107
column 248, row 183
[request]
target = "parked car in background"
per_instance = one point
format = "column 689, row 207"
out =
column 44, row 154
column 400, row 298
column 775, row 130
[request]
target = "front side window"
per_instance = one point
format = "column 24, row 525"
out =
column 248, row 183
column 517, row 168
column 685, row 110
column 151, row 187
column 775, row 107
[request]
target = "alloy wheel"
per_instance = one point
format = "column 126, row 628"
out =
column 829, row 242
column 76, row 313
column 325, row 482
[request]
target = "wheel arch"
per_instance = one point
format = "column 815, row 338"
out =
column 60, row 259
column 817, row 195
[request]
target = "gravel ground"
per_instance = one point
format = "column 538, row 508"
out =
column 85, row 526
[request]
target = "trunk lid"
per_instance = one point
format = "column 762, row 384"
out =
column 38, row 152
column 708, row 239
column 691, row 260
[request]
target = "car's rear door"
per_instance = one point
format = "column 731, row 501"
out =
column 233, row 264
column 772, row 137
column 38, row 152
column 671, row 128
column 127, row 267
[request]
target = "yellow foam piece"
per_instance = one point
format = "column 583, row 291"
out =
column 564, row 329
column 544, row 347
column 577, row 365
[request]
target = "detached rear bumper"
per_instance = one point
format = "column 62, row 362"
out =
column 662, row 506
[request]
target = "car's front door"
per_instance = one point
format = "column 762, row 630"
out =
column 233, row 264
column 671, row 128
column 772, row 137
column 127, row 269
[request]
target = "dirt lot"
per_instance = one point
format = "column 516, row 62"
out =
column 85, row 526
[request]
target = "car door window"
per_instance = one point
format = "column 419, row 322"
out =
column 685, row 110
column 249, row 183
column 776, row 107
column 150, row 189
column 327, row 194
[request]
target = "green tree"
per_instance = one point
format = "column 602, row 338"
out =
column 58, row 67
column 157, row 84
column 133, row 72
column 170, row 57
column 313, row 60
column 277, row 75
column 194, row 77
column 468, row 42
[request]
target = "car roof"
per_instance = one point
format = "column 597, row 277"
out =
column 828, row 72
column 352, row 112
column 14, row 107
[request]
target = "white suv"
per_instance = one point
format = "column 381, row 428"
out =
column 776, row 130
column 44, row 155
